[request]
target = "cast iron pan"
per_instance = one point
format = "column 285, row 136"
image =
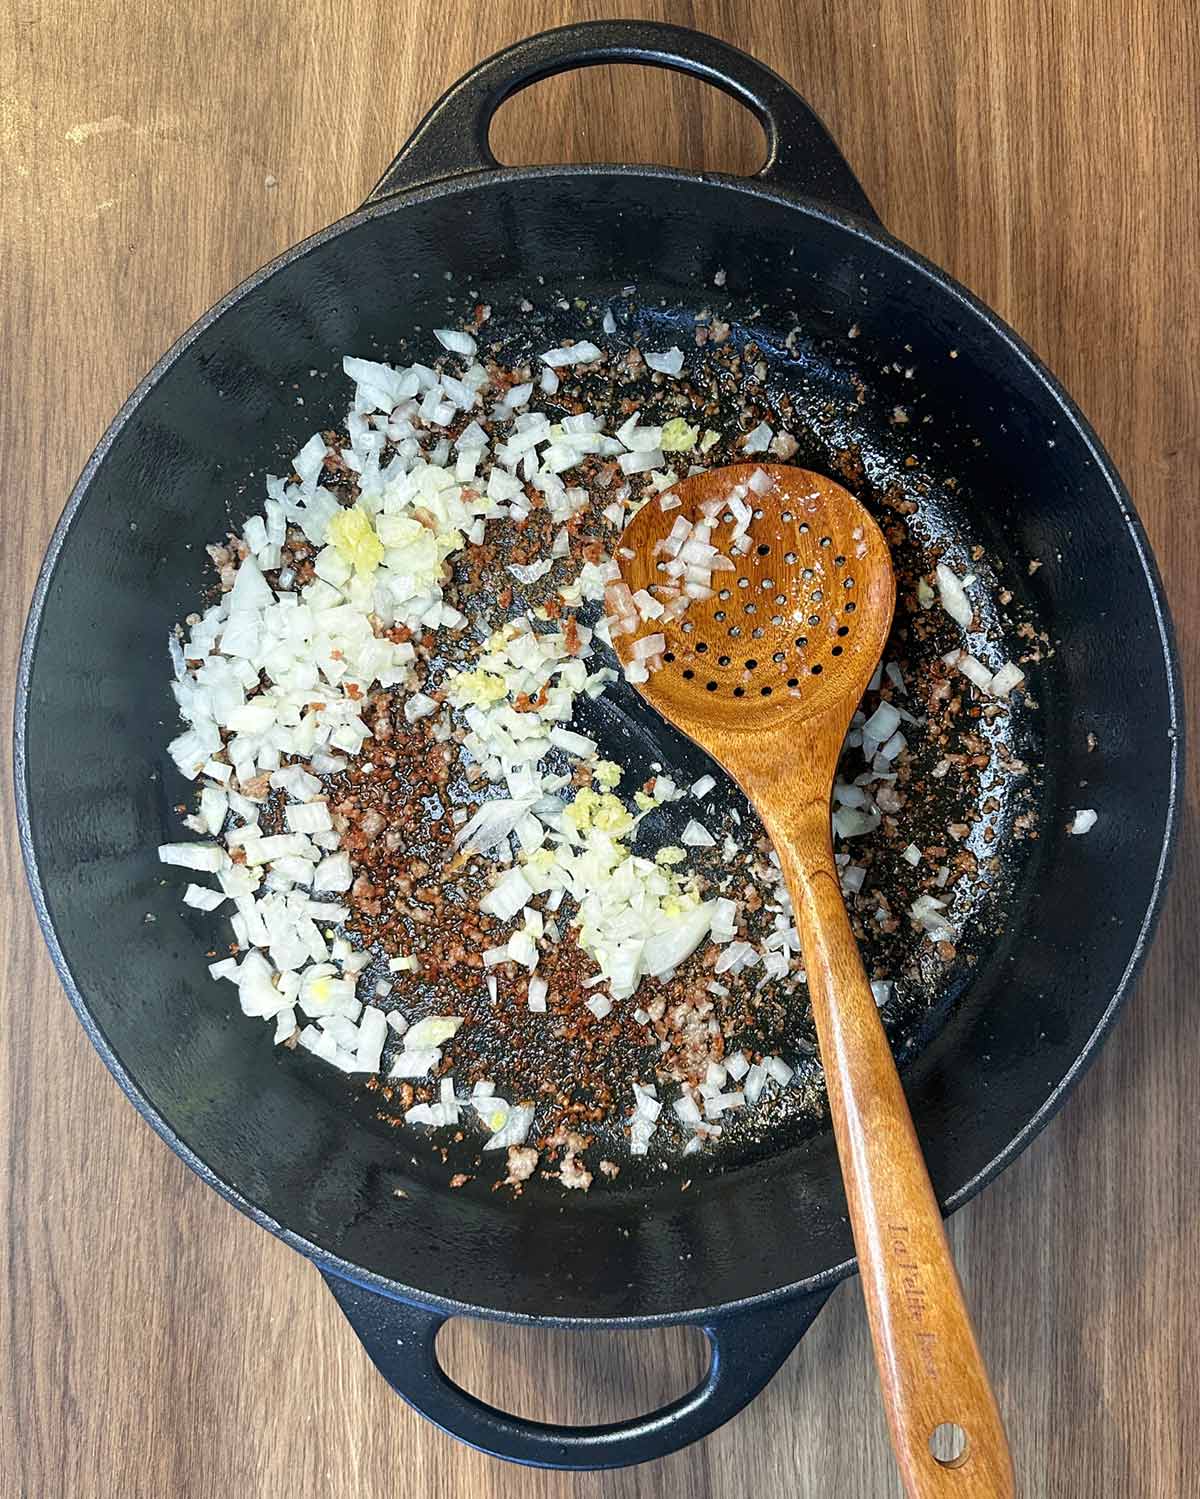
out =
column 999, row 456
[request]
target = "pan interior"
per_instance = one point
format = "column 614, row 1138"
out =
column 853, row 333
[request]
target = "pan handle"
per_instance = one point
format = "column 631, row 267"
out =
column 747, row 1349
column 452, row 139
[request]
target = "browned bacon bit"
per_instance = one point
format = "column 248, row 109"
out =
column 523, row 703
column 522, row 1163
column 258, row 788
column 571, row 1171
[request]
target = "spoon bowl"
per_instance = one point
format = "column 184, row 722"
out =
column 793, row 629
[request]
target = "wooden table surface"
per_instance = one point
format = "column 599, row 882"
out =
column 154, row 1343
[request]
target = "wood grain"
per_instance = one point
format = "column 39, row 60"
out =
column 152, row 1342
column 750, row 703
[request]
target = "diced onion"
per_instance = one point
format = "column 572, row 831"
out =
column 670, row 363
column 1008, row 677
column 648, row 645
column 455, row 342
column 582, row 352
column 882, row 724
column 202, row 898
column 640, row 462
column 973, row 670
column 954, row 597
column 759, row 440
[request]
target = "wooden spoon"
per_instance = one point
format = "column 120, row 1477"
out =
column 765, row 676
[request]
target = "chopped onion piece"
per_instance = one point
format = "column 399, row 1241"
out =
column 756, row 1078
column 509, row 894
column 759, row 440
column 333, row 873
column 973, row 670
column 515, row 1129
column 1008, row 677
column 309, row 817
column 573, row 743
column 849, row 822
column 455, row 342
column 648, row 645
column 737, row 1066
column 492, row 824
column 882, row 724
column 687, row 1110
column 667, row 948
column 415, row 1063
column 434, row 1030
column 646, row 1102
column 640, row 462
column 670, row 363
column 202, row 898
column 779, row 1070
column 521, row 948
column 205, row 857
column 954, row 597
column 582, row 352
column 419, row 705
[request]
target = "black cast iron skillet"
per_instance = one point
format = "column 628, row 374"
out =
column 807, row 262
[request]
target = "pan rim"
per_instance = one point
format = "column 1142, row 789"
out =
column 878, row 238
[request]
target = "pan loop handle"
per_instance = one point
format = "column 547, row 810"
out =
column 452, row 139
column 747, row 1350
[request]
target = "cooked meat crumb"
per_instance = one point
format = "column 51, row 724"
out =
column 522, row 1163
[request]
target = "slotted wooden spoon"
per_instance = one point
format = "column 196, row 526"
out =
column 765, row 676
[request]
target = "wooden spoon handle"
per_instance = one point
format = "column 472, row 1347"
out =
column 929, row 1361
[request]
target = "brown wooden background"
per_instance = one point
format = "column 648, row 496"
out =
column 156, row 1344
